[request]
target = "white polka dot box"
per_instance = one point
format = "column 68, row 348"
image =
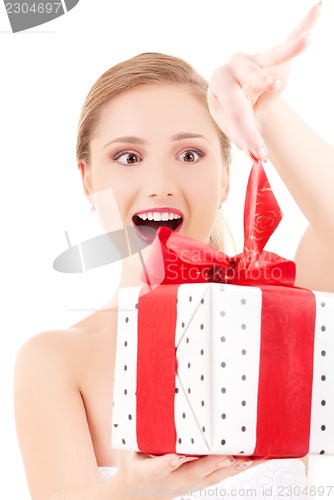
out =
column 212, row 368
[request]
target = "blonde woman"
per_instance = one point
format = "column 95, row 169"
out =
column 146, row 135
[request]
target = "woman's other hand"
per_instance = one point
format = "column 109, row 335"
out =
column 173, row 475
column 247, row 86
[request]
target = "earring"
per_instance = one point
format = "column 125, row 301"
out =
column 93, row 207
column 220, row 206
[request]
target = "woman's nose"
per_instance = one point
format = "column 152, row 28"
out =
column 160, row 182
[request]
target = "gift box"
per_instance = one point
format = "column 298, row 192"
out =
column 220, row 355
column 218, row 369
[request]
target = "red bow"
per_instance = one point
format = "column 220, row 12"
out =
column 175, row 258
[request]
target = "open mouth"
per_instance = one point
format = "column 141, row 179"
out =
column 147, row 224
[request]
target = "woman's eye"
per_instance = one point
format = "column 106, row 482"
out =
column 126, row 158
column 191, row 155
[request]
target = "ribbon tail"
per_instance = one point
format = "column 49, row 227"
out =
column 261, row 214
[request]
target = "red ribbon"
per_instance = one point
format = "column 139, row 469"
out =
column 285, row 372
column 156, row 368
column 287, row 330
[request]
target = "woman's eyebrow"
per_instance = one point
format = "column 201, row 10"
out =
column 129, row 139
column 187, row 135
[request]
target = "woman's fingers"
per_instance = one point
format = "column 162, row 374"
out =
column 234, row 114
column 172, row 472
column 307, row 23
column 207, row 464
column 244, row 69
column 283, row 53
column 240, row 465
column 158, row 467
column 247, row 82
column 296, row 42
column 212, row 469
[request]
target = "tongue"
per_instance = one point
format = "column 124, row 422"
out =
column 154, row 224
column 147, row 229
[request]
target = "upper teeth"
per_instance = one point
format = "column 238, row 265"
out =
column 159, row 216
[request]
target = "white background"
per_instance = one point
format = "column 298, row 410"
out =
column 45, row 75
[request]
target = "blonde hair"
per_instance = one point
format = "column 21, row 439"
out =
column 147, row 68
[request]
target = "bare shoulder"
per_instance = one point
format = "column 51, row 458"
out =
column 63, row 390
column 45, row 354
column 52, row 342
column 50, row 353
column 67, row 350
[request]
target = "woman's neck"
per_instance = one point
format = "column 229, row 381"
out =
column 132, row 269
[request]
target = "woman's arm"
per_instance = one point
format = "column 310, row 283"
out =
column 306, row 165
column 102, row 490
column 51, row 422
column 245, row 100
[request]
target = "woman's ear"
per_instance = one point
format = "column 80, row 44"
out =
column 86, row 175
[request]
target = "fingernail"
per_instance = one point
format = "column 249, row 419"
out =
column 276, row 84
column 243, row 465
column 262, row 153
column 226, row 462
column 270, row 80
column 178, row 461
column 273, row 83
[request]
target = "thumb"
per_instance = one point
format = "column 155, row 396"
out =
column 158, row 467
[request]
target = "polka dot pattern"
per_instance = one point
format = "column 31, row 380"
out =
column 235, row 393
column 193, row 370
column 322, row 426
column 124, row 408
column 218, row 332
column 218, row 324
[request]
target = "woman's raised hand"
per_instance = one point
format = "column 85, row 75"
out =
column 167, row 475
column 247, row 86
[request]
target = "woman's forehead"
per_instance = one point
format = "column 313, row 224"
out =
column 165, row 109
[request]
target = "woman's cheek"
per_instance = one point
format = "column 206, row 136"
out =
column 109, row 209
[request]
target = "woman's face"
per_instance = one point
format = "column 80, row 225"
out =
column 157, row 152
